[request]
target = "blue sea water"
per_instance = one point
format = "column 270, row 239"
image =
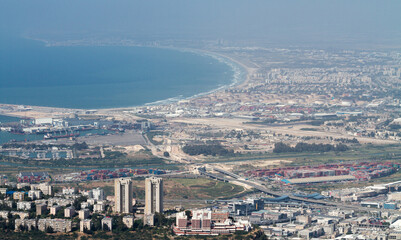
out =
column 102, row 77
column 6, row 136
column 6, row 119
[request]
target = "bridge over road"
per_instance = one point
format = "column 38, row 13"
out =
column 231, row 177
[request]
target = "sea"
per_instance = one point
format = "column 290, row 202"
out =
column 7, row 137
column 95, row 77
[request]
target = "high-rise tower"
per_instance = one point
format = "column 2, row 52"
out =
column 153, row 198
column 123, row 195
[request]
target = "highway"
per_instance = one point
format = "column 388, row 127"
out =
column 233, row 177
column 213, row 176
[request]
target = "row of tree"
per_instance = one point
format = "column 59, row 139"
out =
column 347, row 140
column 306, row 147
column 207, row 150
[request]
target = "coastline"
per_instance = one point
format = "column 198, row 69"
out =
column 241, row 74
column 248, row 71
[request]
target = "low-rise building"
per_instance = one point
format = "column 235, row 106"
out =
column 35, row 194
column 128, row 221
column 22, row 215
column 83, row 214
column 98, row 194
column 88, row 193
column 25, row 224
column 54, row 209
column 309, row 233
column 41, row 209
column 85, row 205
column 85, row 225
column 7, row 203
column 91, row 201
column 3, row 181
column 22, row 185
column 395, row 234
column 60, row 201
column 3, row 191
column 46, row 188
column 23, row 205
column 99, row 207
column 304, row 219
column 69, row 212
column 396, row 196
column 19, row 196
column 56, row 225
column 270, row 215
column 202, row 224
column 220, row 216
column 107, row 224
column 69, row 191
column 4, row 214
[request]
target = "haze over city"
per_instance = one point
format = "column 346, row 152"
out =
column 285, row 22
column 200, row 119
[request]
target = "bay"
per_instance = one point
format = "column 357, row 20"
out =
column 102, row 77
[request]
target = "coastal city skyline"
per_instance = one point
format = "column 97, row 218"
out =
column 200, row 119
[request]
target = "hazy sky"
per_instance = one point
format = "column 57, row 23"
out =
column 282, row 20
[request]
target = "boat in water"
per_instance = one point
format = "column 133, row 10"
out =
column 52, row 136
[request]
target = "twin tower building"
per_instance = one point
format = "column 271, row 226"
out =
column 153, row 197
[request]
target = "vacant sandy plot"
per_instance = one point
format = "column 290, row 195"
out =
column 223, row 123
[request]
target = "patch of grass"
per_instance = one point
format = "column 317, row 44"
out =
column 151, row 134
column 309, row 129
column 202, row 188
column 113, row 159
column 368, row 152
column 188, row 182
column 12, row 170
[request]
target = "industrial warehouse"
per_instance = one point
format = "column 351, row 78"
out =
column 361, row 171
column 319, row 179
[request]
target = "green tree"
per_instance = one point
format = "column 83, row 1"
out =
column 49, row 229
column 260, row 235
column 119, row 224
